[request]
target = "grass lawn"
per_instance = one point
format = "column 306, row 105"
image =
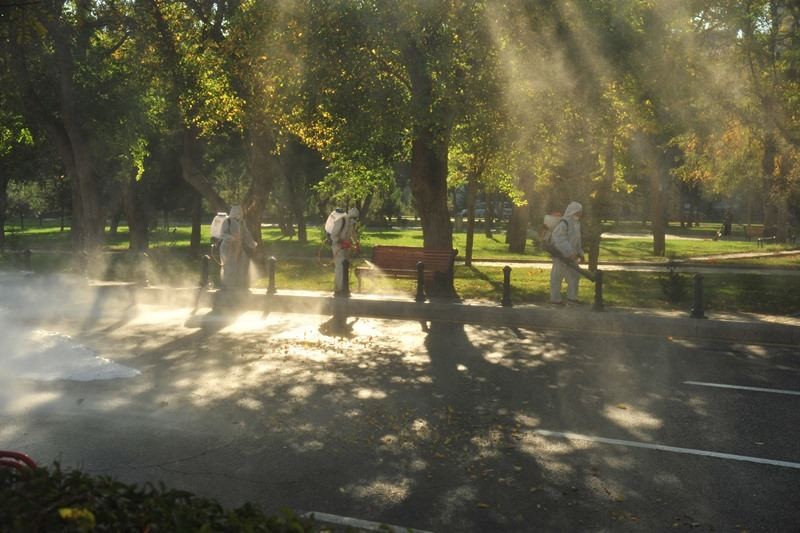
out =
column 307, row 266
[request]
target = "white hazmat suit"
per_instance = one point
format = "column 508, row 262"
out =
column 566, row 238
column 236, row 241
column 344, row 237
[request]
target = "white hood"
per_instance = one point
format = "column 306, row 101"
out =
column 572, row 209
column 236, row 212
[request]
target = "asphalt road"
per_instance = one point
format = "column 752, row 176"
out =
column 458, row 428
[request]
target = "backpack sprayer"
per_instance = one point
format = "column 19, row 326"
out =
column 216, row 235
column 334, row 225
column 551, row 221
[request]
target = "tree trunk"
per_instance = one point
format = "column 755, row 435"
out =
column 264, row 168
column 197, row 216
column 65, row 131
column 776, row 208
column 429, row 148
column 472, row 192
column 3, row 206
column 518, row 228
column 75, row 228
column 657, row 218
column 297, row 202
column 429, row 186
column 113, row 223
column 600, row 206
column 488, row 215
column 92, row 218
column 658, row 168
column 136, row 215
column 684, row 199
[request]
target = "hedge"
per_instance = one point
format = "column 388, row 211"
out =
column 52, row 499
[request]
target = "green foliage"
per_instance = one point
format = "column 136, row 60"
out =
column 544, row 102
column 673, row 284
column 27, row 198
column 349, row 182
column 51, row 499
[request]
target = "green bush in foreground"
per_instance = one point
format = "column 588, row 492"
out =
column 49, row 499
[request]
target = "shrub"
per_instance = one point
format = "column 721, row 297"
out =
column 45, row 499
column 673, row 284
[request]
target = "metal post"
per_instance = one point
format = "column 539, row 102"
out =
column 271, row 275
column 506, row 286
column 204, row 266
column 345, row 292
column 144, row 281
column 26, row 260
column 420, row 282
column 339, row 322
column 83, row 259
column 697, row 307
column 598, row 291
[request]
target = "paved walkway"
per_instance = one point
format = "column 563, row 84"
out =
column 709, row 263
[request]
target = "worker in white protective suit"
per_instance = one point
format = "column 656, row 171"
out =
column 566, row 238
column 344, row 239
column 233, row 252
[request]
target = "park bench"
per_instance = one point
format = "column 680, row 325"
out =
column 401, row 262
column 757, row 232
column 753, row 232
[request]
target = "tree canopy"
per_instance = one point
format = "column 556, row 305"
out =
column 294, row 107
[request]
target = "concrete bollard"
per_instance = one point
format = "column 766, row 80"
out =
column 598, row 291
column 697, row 306
column 506, row 286
column 271, row 263
column 420, row 282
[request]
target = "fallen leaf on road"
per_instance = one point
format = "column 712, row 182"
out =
column 621, row 406
column 483, row 505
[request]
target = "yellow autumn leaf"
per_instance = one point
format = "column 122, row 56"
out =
column 84, row 518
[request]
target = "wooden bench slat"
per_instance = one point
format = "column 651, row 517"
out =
column 401, row 262
column 753, row 231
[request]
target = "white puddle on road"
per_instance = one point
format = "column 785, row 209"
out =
column 48, row 356
column 44, row 355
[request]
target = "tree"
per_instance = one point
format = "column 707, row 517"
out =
column 759, row 109
column 214, row 60
column 16, row 151
column 61, row 58
column 387, row 79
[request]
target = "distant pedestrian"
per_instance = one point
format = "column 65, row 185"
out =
column 726, row 223
column 236, row 243
column 342, row 229
column 566, row 239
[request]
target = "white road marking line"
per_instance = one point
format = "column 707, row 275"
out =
column 364, row 525
column 661, row 447
column 741, row 387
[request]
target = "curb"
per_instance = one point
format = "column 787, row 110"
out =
column 615, row 322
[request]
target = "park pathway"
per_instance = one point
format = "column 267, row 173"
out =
column 703, row 264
